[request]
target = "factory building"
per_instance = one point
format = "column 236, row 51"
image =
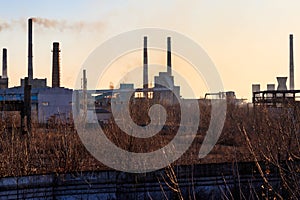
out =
column 163, row 92
column 164, row 86
column 282, row 96
column 56, row 101
column 164, row 89
column 35, row 82
column 46, row 102
column 165, row 80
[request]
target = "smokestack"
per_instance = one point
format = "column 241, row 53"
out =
column 291, row 63
column 30, row 68
column 84, row 84
column 145, row 73
column 4, row 63
column 55, row 65
column 169, row 63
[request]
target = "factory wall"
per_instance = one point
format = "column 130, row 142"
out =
column 165, row 80
column 36, row 83
column 45, row 102
column 54, row 102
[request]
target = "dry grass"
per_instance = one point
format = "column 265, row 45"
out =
column 264, row 135
column 44, row 151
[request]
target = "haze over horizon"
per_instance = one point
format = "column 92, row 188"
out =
column 247, row 41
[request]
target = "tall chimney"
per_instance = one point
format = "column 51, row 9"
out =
column 4, row 63
column 84, row 81
column 145, row 73
column 292, row 86
column 30, row 68
column 169, row 63
column 55, row 65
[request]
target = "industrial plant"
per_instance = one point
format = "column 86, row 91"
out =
column 45, row 102
column 282, row 96
column 55, row 102
column 256, row 154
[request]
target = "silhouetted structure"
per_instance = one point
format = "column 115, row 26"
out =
column 292, row 86
column 282, row 96
column 27, row 103
column 145, row 68
column 30, row 67
column 169, row 60
column 21, row 105
column 34, row 82
column 4, row 78
column 4, row 63
column 164, row 86
column 43, row 102
column 55, row 65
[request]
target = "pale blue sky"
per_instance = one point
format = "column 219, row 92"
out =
column 247, row 40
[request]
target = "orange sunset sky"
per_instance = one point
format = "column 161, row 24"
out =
column 248, row 41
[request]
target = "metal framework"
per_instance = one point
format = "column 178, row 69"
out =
column 275, row 98
column 23, row 106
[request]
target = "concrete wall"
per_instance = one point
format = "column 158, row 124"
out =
column 214, row 181
column 36, row 83
column 54, row 102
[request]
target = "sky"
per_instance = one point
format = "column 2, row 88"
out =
column 248, row 41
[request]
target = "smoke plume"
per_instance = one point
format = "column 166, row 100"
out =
column 63, row 25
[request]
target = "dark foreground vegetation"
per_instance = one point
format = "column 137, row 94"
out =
column 268, row 137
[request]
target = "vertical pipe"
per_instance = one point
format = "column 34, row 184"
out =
column 84, row 86
column 169, row 62
column 291, row 63
column 55, row 65
column 30, row 67
column 145, row 71
column 4, row 63
column 27, row 103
